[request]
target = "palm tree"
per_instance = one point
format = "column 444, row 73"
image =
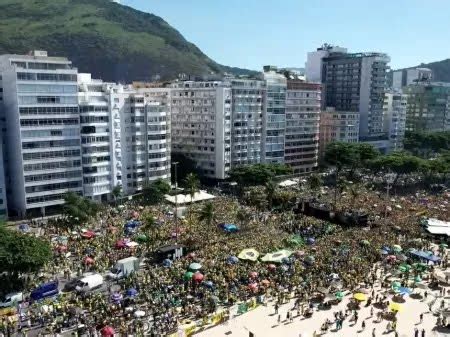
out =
column 117, row 193
column 149, row 228
column 271, row 188
column 207, row 214
column 314, row 182
column 192, row 184
column 243, row 216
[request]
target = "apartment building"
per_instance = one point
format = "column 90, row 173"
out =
column 274, row 117
column 42, row 131
column 247, row 121
column 338, row 126
column 3, row 199
column 395, row 118
column 303, row 106
column 405, row 77
column 428, row 106
column 201, row 125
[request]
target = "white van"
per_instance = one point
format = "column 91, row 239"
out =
column 11, row 299
column 90, row 282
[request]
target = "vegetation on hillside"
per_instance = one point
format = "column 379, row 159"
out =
column 111, row 41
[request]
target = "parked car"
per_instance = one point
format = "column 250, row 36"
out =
column 89, row 283
column 11, row 299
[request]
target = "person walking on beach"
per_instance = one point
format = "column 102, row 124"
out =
column 363, row 325
column 421, row 318
column 374, row 333
column 423, row 332
column 416, row 332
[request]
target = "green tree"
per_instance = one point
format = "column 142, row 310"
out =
column 150, row 228
column 117, row 193
column 255, row 196
column 192, row 184
column 257, row 174
column 207, row 214
column 153, row 192
column 22, row 253
column 270, row 188
column 79, row 210
column 314, row 182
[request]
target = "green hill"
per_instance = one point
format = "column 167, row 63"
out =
column 441, row 70
column 111, row 41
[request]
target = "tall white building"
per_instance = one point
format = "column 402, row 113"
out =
column 395, row 103
column 247, row 121
column 303, row 106
column 314, row 62
column 201, row 125
column 274, row 117
column 43, row 152
column 405, row 77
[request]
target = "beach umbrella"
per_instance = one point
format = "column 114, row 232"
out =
column 310, row 241
column 397, row 248
column 120, row 244
column 396, row 285
column 265, row 282
column 188, row 275
column 384, row 252
column 310, row 259
column 142, row 238
column 253, row 286
column 209, row 284
column 116, row 297
column 198, row 277
column 411, row 250
column 132, row 292
column 195, row 266
column 443, row 245
column 167, row 263
column 139, row 314
column 249, row 254
column 365, row 242
column 132, row 244
column 108, row 331
column 404, row 291
column 232, row 260
column 271, row 267
column 417, row 279
column 339, row 295
column 360, row 297
column 322, row 290
column 88, row 260
column 87, row 234
column 253, row 274
column 61, row 249
column 404, row 268
column 395, row 307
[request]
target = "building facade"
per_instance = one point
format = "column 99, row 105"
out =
column 303, row 106
column 274, row 117
column 405, row 77
column 428, row 107
column 247, row 121
column 201, row 125
column 338, row 126
column 42, row 137
column 395, row 118
column 314, row 62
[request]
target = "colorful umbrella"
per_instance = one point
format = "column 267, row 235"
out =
column 395, row 307
column 233, row 260
column 249, row 254
column 271, row 267
column 195, row 266
column 360, row 297
column 108, row 331
column 188, row 275
column 365, row 242
column 132, row 292
column 396, row 285
column 89, row 260
column 397, row 248
column 253, row 274
column 253, row 286
column 198, row 277
column 339, row 295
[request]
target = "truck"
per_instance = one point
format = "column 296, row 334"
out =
column 11, row 299
column 124, row 267
column 89, row 283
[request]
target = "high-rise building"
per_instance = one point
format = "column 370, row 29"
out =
column 402, row 78
column 201, row 125
column 274, row 117
column 395, row 118
column 314, row 62
column 42, row 137
column 303, row 105
column 338, row 126
column 3, row 199
column 428, row 107
column 246, row 121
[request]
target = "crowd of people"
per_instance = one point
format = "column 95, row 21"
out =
column 326, row 258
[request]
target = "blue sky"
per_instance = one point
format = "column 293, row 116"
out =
column 253, row 33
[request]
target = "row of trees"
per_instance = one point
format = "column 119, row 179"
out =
column 426, row 144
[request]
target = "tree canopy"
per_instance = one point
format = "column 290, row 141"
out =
column 22, row 253
column 153, row 192
column 258, row 174
column 425, row 143
column 78, row 209
column 349, row 155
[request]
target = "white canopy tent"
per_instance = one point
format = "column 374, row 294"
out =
column 186, row 198
column 438, row 227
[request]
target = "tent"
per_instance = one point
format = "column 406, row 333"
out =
column 438, row 227
column 423, row 255
column 229, row 227
column 277, row 256
column 186, row 198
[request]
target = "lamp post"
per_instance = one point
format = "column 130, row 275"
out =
column 175, row 164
